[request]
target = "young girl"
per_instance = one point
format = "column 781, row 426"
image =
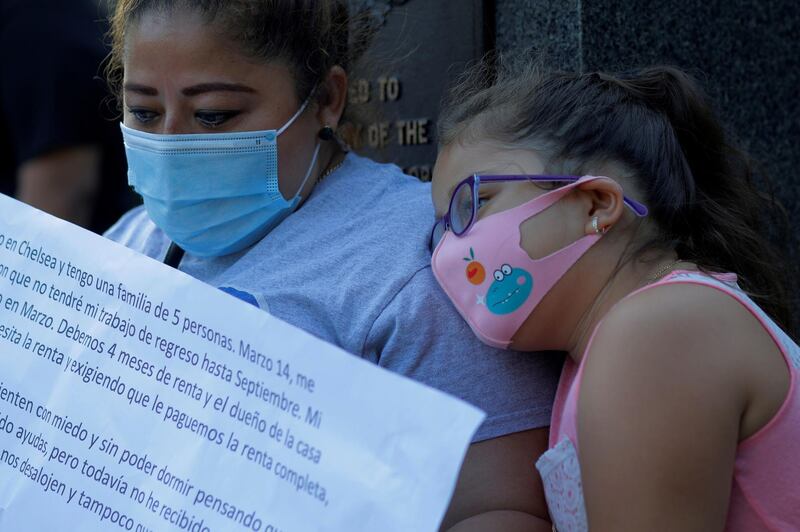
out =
column 609, row 217
column 231, row 109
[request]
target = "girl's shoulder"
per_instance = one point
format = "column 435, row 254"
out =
column 697, row 336
column 696, row 311
column 679, row 325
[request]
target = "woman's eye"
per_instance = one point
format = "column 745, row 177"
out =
column 143, row 116
column 212, row 119
column 482, row 202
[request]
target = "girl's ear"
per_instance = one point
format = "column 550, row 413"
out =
column 331, row 108
column 602, row 202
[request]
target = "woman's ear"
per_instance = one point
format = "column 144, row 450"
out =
column 331, row 108
column 602, row 202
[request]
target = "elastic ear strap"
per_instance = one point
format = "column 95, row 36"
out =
column 293, row 118
column 310, row 168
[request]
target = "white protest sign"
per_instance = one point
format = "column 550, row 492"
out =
column 133, row 397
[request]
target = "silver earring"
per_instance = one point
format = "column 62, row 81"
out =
column 596, row 226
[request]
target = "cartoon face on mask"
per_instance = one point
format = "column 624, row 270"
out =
column 509, row 291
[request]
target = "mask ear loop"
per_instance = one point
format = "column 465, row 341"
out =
column 308, row 172
column 294, row 117
column 316, row 148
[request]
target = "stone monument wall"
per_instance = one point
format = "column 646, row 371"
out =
column 744, row 51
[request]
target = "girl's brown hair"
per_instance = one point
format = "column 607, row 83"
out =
column 657, row 125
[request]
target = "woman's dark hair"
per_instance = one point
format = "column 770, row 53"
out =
column 310, row 36
column 657, row 126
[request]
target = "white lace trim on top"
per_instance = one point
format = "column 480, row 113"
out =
column 563, row 489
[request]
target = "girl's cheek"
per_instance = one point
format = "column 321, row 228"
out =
column 546, row 233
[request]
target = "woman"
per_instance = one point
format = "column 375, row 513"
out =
column 231, row 109
column 678, row 407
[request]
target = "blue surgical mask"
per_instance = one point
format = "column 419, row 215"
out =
column 212, row 194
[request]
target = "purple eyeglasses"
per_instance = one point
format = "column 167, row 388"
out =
column 463, row 208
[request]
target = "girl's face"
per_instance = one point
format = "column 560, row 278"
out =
column 548, row 231
column 552, row 321
column 183, row 76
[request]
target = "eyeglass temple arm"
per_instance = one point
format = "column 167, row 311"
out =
column 638, row 209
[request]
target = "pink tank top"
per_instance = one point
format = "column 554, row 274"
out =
column 766, row 479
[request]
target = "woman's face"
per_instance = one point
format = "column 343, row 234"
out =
column 182, row 76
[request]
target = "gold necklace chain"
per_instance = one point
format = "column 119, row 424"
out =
column 331, row 169
column 661, row 272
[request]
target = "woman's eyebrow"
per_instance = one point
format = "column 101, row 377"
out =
column 141, row 89
column 194, row 90
column 202, row 88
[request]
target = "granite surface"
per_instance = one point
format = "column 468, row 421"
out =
column 745, row 52
column 551, row 26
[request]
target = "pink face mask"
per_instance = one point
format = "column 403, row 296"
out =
column 492, row 280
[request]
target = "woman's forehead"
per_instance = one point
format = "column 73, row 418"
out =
column 170, row 36
column 171, row 51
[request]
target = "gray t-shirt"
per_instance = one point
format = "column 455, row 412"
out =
column 352, row 266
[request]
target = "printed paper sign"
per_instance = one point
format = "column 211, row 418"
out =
column 133, row 397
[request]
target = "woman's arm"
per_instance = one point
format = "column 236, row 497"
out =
column 662, row 396
column 505, row 520
column 499, row 487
